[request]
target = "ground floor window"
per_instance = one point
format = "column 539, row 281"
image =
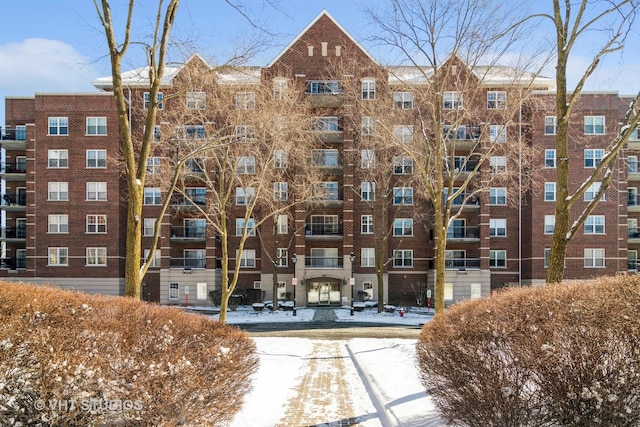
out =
column 174, row 289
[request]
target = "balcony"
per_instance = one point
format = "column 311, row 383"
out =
column 633, row 203
column 188, row 263
column 632, row 264
column 465, row 137
column 190, row 233
column 323, row 262
column 13, row 233
column 460, row 168
column 181, row 202
column 14, row 171
column 323, row 231
column 14, row 202
column 327, row 129
column 324, row 93
column 463, row 233
column 13, row 263
column 462, row 263
column 328, row 160
column 633, row 174
column 14, row 139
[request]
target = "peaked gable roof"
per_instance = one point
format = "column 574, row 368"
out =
column 311, row 24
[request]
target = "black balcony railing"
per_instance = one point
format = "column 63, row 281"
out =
column 463, row 232
column 633, row 200
column 189, row 232
column 14, row 232
column 323, row 262
column 462, row 263
column 323, row 230
column 14, row 199
column 13, row 263
column 187, row 263
column 632, row 264
column 9, row 134
column 633, row 233
column 13, row 167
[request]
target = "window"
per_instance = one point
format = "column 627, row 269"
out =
column 367, row 159
column 403, row 100
column 96, row 158
column 592, row 157
column 594, row 125
column 368, row 290
column 452, row 100
column 448, row 291
column 152, row 196
column 594, row 224
column 327, row 191
column 498, row 227
column 367, row 125
column 591, row 192
column 550, row 125
column 496, row 100
column 404, row 133
column 280, row 159
column 58, row 256
column 194, row 132
column 632, row 196
column 280, row 191
column 367, row 257
column 148, row 227
column 632, row 164
column 279, row 89
column 153, row 165
column 282, row 255
column 98, row 224
column 457, row 200
column 457, row 229
column 195, row 258
column 368, row 89
column 195, row 165
column 366, row 222
column 476, row 290
column 58, row 159
column 246, row 165
column 635, row 135
column 498, row 196
column 593, row 258
column 547, row 257
column 156, row 260
column 455, row 258
column 325, row 157
column 97, row 191
column 96, row 125
column 96, row 256
column 368, row 191
column 325, row 124
column 244, row 196
column 550, row 158
column 157, row 133
column 497, row 133
column 319, row 87
column 248, row 259
column 498, row 259
column 196, row 195
column 250, row 225
column 174, row 291
column 282, row 224
column 58, row 191
column 244, row 133
column 58, row 126
column 402, row 258
column 402, row 165
column 58, row 223
column 498, row 164
column 403, row 227
column 403, row 195
column 632, row 260
column 549, row 191
column 147, row 100
column 549, row 224
column 196, row 100
column 245, row 100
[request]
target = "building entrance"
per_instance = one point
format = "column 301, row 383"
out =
column 323, row 293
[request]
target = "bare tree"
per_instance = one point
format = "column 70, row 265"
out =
column 613, row 20
column 464, row 141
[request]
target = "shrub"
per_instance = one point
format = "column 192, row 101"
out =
column 566, row 354
column 68, row 358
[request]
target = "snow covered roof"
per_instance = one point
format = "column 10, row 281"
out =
column 138, row 77
column 239, row 75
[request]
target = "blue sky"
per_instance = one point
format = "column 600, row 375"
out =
column 58, row 46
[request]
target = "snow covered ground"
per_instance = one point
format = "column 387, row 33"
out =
column 393, row 395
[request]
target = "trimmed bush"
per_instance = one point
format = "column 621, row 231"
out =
column 68, row 358
column 566, row 354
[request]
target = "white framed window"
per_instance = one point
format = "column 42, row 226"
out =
column 58, row 256
column 498, row 258
column 96, row 126
column 368, row 89
column 245, row 133
column 367, row 257
column 403, row 227
column 402, row 165
column 58, row 159
column 367, row 287
column 368, row 191
column 497, row 134
column 245, row 100
column 632, row 260
column 591, row 192
column 367, row 159
column 497, row 227
column 476, row 290
column 201, row 291
column 402, row 258
column 635, row 134
column 594, row 224
column 96, row 257
column 58, row 126
column 96, row 158
column 152, row 196
column 97, row 191
column 632, row 196
column 154, row 165
column 58, row 224
column 549, row 191
column 550, row 125
column 282, row 257
column 594, row 125
column 498, row 196
column 366, row 224
column 279, row 88
column 244, row 196
column 196, row 100
column 549, row 224
column 632, row 164
column 325, row 124
column 282, row 224
column 148, row 227
column 280, row 191
column 451, row 100
column 498, row 164
column 550, row 158
column 448, row 291
column 403, row 100
column 367, row 126
column 194, row 132
column 282, row 290
column 403, row 195
column 328, row 191
column 248, row 259
column 547, row 257
column 174, row 291
column 240, row 225
column 594, row 258
column 246, row 165
column 325, row 157
column 496, row 100
column 593, row 157
column 58, row 191
column 403, row 133
column 147, row 100
column 280, row 159
column 319, row 87
column 195, row 258
column 96, row 224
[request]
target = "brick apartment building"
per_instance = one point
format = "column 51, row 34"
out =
column 64, row 200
